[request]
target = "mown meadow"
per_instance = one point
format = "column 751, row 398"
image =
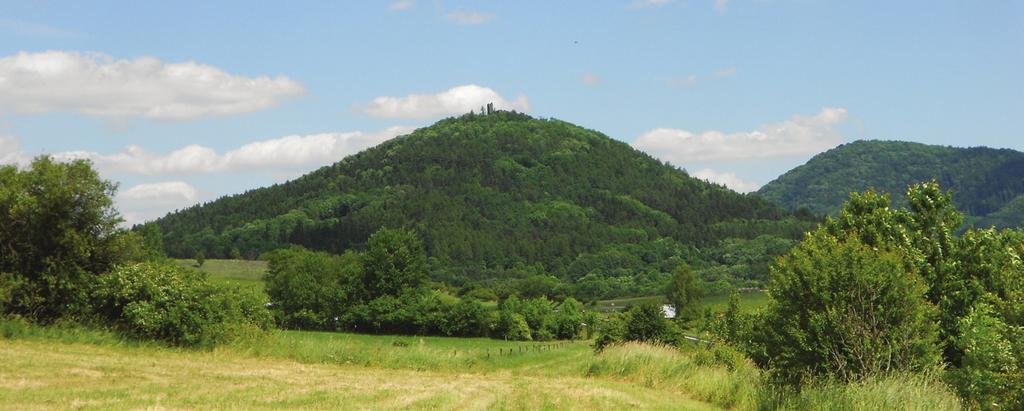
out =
column 67, row 366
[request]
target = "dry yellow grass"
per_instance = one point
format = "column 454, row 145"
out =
column 51, row 375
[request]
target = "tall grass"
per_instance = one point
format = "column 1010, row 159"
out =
column 896, row 392
column 719, row 376
column 726, row 378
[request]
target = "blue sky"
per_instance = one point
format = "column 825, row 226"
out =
column 182, row 102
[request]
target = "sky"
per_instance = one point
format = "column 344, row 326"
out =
column 183, row 102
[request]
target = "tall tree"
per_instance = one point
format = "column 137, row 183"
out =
column 394, row 262
column 685, row 294
column 58, row 229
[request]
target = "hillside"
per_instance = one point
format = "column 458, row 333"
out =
column 502, row 195
column 987, row 183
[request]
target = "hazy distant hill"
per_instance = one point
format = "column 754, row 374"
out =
column 490, row 192
column 987, row 183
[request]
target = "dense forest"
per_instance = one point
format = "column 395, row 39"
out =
column 506, row 200
column 987, row 183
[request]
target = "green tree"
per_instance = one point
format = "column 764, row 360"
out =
column 685, row 294
column 733, row 318
column 394, row 262
column 841, row 308
column 569, row 319
column 200, row 258
column 58, row 230
column 308, row 289
column 645, row 322
column 153, row 242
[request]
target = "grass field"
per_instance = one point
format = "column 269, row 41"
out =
column 70, row 369
column 248, row 273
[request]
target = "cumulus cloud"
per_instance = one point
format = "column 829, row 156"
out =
column 456, row 100
column 590, row 79
column 148, row 201
column 797, row 136
column 469, row 18
column 402, row 5
column 287, row 153
column 727, row 179
column 99, row 85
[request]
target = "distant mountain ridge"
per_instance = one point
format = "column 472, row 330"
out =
column 987, row 183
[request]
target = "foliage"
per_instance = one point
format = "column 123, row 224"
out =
column 176, row 305
column 990, row 374
column 200, row 258
column 685, row 294
column 568, row 321
column 394, row 262
column 309, row 289
column 58, row 229
column 975, row 282
column 986, row 181
column 840, row 308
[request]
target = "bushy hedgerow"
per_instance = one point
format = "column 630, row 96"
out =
column 176, row 305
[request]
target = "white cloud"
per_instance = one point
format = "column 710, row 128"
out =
column 285, row 154
column 99, row 85
column 727, row 179
column 720, row 5
column 402, row 5
column 797, row 136
column 469, row 18
column 148, row 201
column 590, row 79
column 456, row 100
column 647, row 4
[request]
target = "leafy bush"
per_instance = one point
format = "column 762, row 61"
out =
column 59, row 230
column 839, row 308
column 176, row 305
column 989, row 375
column 309, row 289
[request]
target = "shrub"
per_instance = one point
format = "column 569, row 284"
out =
column 176, row 305
column 842, row 309
column 989, row 376
column 59, row 230
column 309, row 289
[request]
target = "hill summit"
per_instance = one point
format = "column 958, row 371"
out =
column 487, row 194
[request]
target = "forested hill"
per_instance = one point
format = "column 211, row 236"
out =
column 987, row 183
column 489, row 191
